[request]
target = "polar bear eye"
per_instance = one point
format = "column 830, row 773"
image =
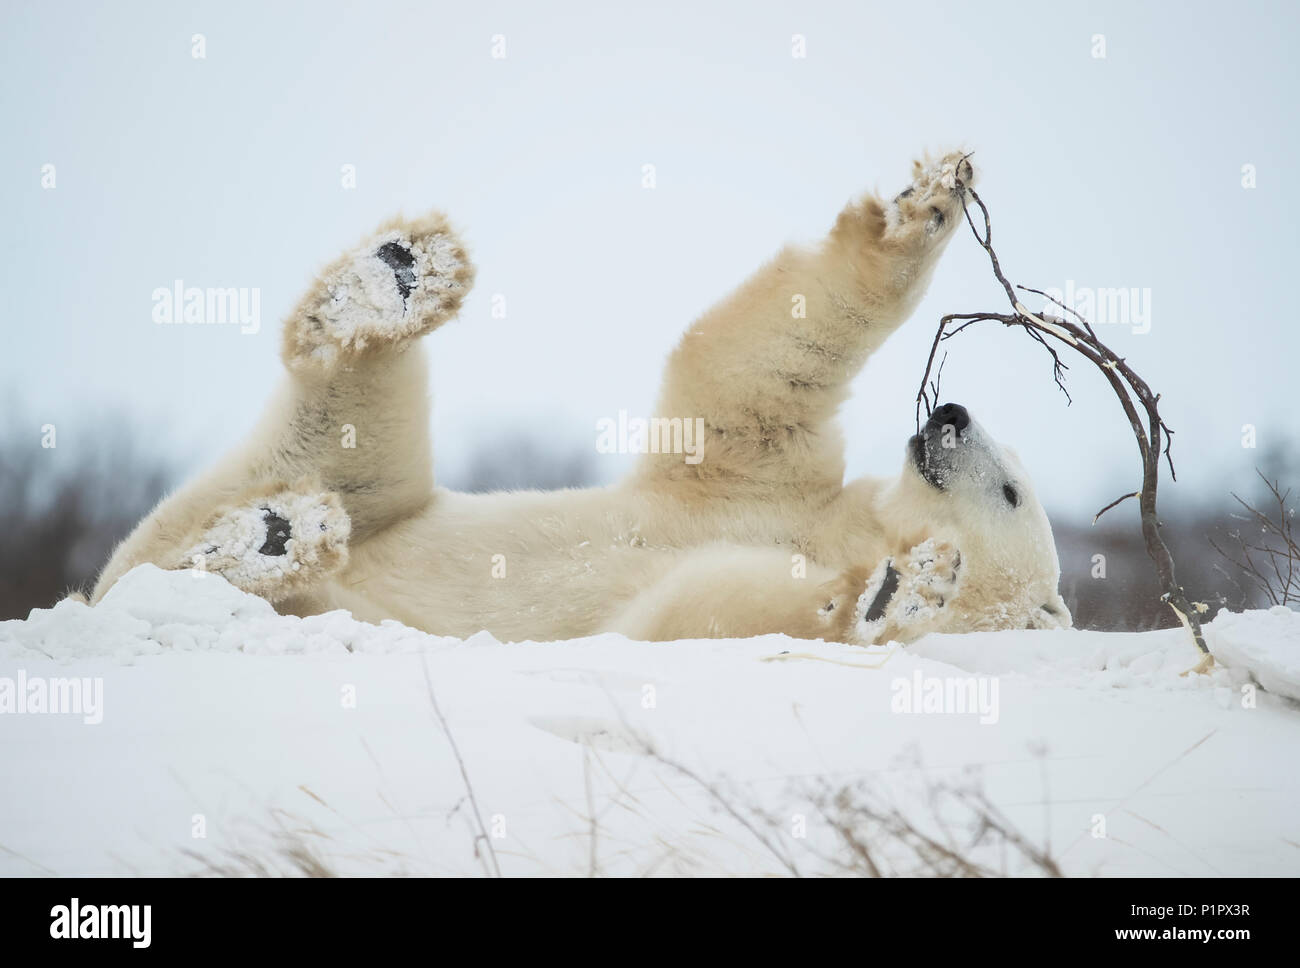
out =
column 1010, row 494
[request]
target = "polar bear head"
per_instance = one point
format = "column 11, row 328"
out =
column 960, row 485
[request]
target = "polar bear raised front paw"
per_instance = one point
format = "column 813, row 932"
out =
column 276, row 545
column 403, row 282
column 930, row 208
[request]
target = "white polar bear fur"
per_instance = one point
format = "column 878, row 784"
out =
column 761, row 535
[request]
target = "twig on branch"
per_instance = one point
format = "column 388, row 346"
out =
column 1140, row 405
column 932, row 398
column 1119, row 500
column 1272, row 562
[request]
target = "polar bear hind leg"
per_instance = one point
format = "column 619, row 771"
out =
column 343, row 449
column 357, row 413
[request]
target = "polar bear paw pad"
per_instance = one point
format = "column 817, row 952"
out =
column 276, row 546
column 403, row 282
column 278, row 531
column 399, row 259
column 909, row 590
column 931, row 206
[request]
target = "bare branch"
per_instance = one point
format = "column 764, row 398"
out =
column 1277, row 575
column 1119, row 500
column 1139, row 403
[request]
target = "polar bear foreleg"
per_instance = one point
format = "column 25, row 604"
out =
column 768, row 368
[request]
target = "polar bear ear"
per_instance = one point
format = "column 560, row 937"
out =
column 1051, row 615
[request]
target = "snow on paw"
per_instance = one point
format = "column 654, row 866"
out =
column 875, row 600
column 933, row 566
column 929, row 209
column 904, row 596
column 275, row 546
column 403, row 282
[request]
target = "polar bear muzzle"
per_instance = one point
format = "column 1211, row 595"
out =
column 931, row 451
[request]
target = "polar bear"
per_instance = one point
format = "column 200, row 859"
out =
column 331, row 502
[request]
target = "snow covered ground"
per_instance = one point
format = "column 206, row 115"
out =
column 232, row 738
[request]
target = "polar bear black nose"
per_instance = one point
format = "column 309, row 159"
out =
column 950, row 413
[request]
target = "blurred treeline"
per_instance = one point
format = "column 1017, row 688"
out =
column 63, row 509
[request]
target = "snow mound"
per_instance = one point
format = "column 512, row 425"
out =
column 227, row 728
column 1265, row 643
column 150, row 611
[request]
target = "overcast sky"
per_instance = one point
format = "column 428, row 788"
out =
column 1101, row 172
